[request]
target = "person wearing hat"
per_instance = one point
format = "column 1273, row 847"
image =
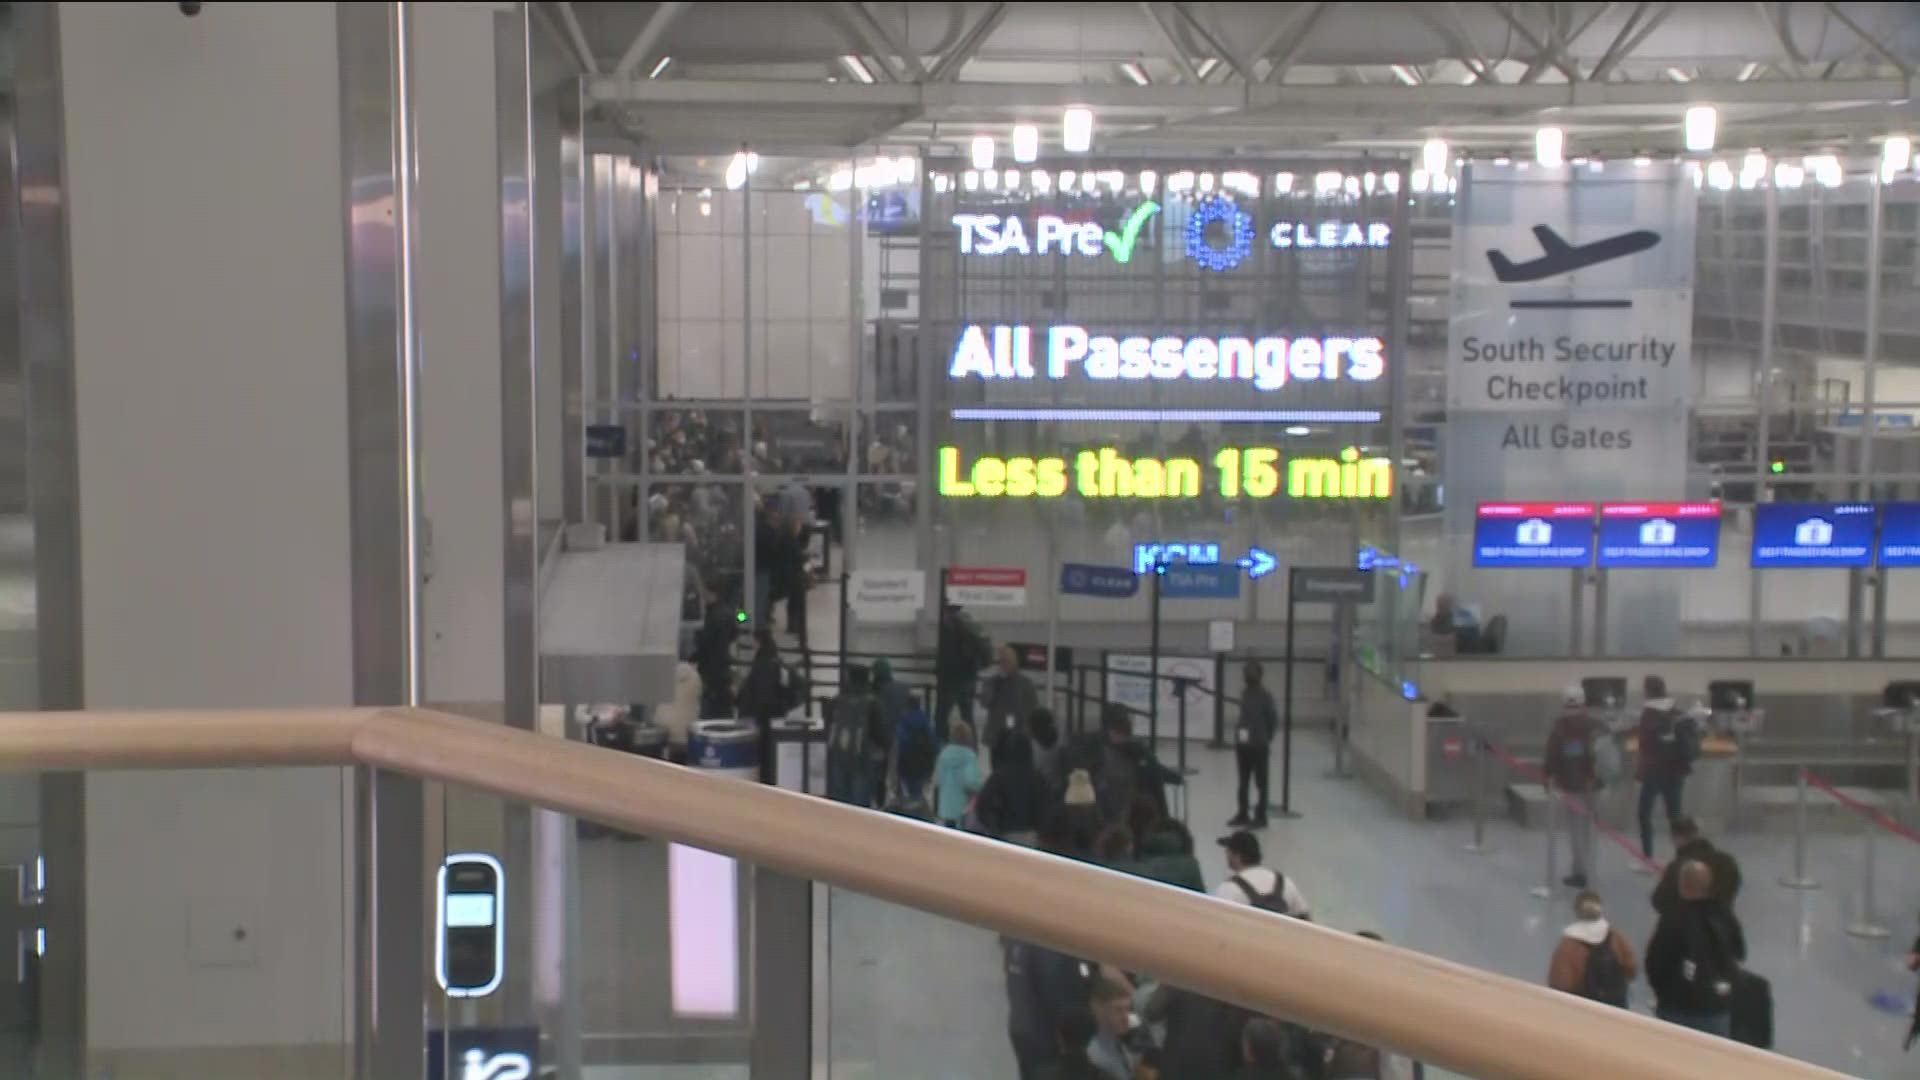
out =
column 1570, row 772
column 1256, row 885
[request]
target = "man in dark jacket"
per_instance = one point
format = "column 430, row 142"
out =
column 765, row 695
column 961, row 653
column 1664, row 761
column 1011, row 697
column 713, row 658
column 1569, row 768
column 1689, row 844
column 1011, row 802
column 1695, row 955
column 1121, row 767
column 1043, row 988
column 1253, row 744
column 895, row 702
column 851, row 739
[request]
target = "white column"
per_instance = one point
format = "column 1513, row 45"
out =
column 208, row 305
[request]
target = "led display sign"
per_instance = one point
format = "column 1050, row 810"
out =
column 1900, row 534
column 1673, row 534
column 1051, row 234
column 1104, row 473
column 1007, row 352
column 1191, row 552
column 1813, row 534
column 990, row 234
column 1329, row 234
column 1533, row 534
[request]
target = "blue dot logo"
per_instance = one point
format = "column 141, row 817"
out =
column 1239, row 225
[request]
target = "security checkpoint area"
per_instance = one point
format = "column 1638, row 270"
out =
column 962, row 541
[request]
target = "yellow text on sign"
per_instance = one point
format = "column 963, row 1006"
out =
column 1104, row 473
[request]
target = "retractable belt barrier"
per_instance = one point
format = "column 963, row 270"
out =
column 1557, row 801
column 1872, row 820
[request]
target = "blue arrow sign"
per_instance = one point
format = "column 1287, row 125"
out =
column 1258, row 563
column 1109, row 582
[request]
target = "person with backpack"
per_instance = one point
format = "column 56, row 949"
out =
column 1668, row 744
column 851, row 740
column 895, row 702
column 1015, row 795
column 957, row 776
column 1121, row 766
column 1570, row 770
column 1694, row 956
column 914, row 751
column 1593, row 960
column 1257, row 885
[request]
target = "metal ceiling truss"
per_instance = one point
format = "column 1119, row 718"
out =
column 651, row 32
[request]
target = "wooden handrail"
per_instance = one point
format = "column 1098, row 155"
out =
column 1471, row 1021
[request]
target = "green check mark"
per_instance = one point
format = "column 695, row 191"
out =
column 1122, row 244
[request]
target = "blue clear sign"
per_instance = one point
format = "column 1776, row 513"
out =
column 1900, row 534
column 1813, row 534
column 1533, row 535
column 1182, row 582
column 1660, row 535
column 1191, row 552
column 1085, row 579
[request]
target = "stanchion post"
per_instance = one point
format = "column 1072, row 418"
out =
column 1866, row 927
column 1545, row 890
column 1799, row 879
column 1479, row 845
column 1181, row 686
column 1219, row 741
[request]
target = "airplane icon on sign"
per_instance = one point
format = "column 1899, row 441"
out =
column 1564, row 258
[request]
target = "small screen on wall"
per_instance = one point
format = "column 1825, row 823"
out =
column 1533, row 535
column 1671, row 535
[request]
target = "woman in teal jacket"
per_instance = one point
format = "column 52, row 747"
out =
column 956, row 775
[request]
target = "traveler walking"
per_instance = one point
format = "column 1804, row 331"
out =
column 895, row 703
column 1015, row 794
column 956, row 776
column 1121, row 766
column 1695, row 955
column 854, row 735
column 1668, row 743
column 961, row 653
column 1570, row 770
column 1593, row 960
column 1689, row 844
column 766, row 694
column 1046, row 994
column 1253, row 745
column 713, row 658
column 1047, row 748
column 1010, row 696
column 1255, row 884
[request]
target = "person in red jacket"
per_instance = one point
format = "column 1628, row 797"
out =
column 1570, row 771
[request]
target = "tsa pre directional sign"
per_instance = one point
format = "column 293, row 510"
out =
column 1179, row 581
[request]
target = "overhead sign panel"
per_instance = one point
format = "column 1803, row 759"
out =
column 1678, row 535
column 1813, row 534
column 1900, row 534
column 1086, row 579
column 887, row 596
column 1217, row 582
column 987, row 586
column 1533, row 535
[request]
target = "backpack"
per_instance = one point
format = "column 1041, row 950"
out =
column 913, row 742
column 1686, row 739
column 1608, row 762
column 1605, row 980
column 1275, row 901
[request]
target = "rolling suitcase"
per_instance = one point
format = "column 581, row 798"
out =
column 1752, row 1019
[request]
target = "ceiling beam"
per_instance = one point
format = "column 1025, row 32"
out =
column 947, row 68
column 882, row 44
column 1542, row 51
column 656, row 27
column 1872, row 42
column 1302, row 31
column 1623, row 45
column 935, row 98
column 1212, row 40
column 1175, row 51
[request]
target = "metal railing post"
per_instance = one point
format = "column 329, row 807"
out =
column 1545, row 890
column 1799, row 879
column 1866, row 927
column 1480, row 755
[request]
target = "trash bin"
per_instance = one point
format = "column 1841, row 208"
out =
column 726, row 748
column 800, row 755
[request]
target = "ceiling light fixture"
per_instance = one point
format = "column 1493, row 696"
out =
column 1701, row 128
column 983, row 151
column 1826, row 170
column 1042, row 180
column 1135, row 74
column 1076, row 129
column 660, row 67
column 857, row 68
column 1678, row 76
column 1404, row 73
column 1207, row 67
column 1026, row 143
column 905, row 168
column 1753, row 169
column 1719, row 175
column 1148, row 181
column 1282, row 183
column 1420, row 180
column 1433, row 156
column 970, row 180
column 1788, row 176
column 1548, row 145
column 1896, row 153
